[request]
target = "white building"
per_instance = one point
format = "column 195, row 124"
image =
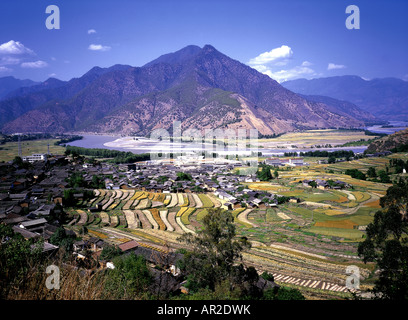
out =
column 36, row 157
column 274, row 162
column 296, row 162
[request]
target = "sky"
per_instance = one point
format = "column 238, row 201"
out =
column 284, row 39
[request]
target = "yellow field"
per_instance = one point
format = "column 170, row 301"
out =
column 373, row 204
column 342, row 224
column 316, row 137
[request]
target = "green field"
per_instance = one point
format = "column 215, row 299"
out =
column 9, row 150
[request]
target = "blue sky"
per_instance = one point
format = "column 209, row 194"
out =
column 284, row 39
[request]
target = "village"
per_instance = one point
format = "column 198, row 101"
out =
column 33, row 197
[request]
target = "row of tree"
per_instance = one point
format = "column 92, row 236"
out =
column 322, row 153
column 115, row 155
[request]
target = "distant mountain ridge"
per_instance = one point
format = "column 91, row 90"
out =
column 201, row 87
column 9, row 84
column 385, row 98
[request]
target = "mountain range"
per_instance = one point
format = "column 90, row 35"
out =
column 201, row 87
column 385, row 98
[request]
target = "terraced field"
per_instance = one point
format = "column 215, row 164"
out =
column 147, row 210
column 308, row 259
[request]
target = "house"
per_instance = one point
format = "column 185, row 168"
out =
column 293, row 200
column 47, row 248
column 18, row 196
column 129, row 245
column 321, row 184
column 276, row 162
column 306, row 183
column 80, row 245
column 95, row 243
column 258, row 203
column 26, row 233
column 14, row 219
column 236, row 204
column 295, row 162
column 36, row 225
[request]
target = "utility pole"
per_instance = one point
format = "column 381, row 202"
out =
column 20, row 153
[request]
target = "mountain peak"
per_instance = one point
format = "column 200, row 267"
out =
column 209, row 48
column 179, row 56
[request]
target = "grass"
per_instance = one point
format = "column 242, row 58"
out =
column 351, row 234
column 9, row 150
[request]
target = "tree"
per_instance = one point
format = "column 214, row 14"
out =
column 265, row 173
column 387, row 245
column 109, row 252
column 283, row 293
column 16, row 258
column 371, row 172
column 215, row 254
column 61, row 239
column 384, row 178
column 182, row 176
column 355, row 173
column 130, row 278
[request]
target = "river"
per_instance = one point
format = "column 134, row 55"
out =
column 139, row 145
column 145, row 145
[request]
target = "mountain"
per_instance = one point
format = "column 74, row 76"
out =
column 385, row 98
column 343, row 107
column 23, row 100
column 50, row 83
column 201, row 87
column 387, row 143
column 9, row 84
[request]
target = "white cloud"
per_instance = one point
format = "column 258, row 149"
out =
column 306, row 64
column 34, row 64
column 14, row 48
column 5, row 69
column 98, row 47
column 91, row 31
column 333, row 66
column 271, row 63
column 283, row 52
column 7, row 60
column 290, row 74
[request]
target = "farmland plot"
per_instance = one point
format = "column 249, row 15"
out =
column 143, row 220
column 149, row 217
column 132, row 219
column 163, row 216
column 172, row 220
column 174, row 200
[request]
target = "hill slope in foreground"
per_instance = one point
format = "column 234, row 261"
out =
column 395, row 140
